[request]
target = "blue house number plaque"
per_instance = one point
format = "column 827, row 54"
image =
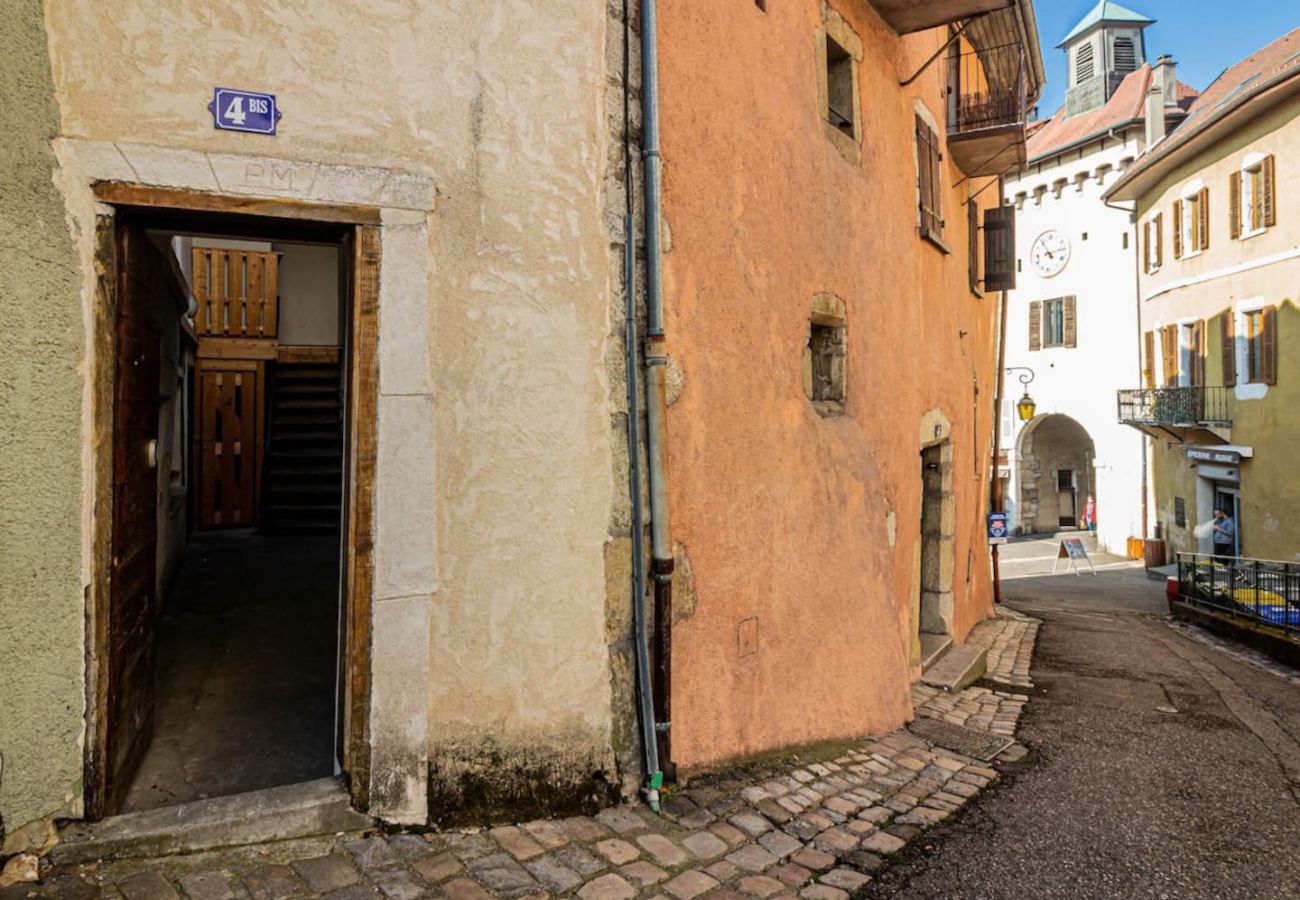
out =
column 244, row 111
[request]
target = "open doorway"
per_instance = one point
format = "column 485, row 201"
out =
column 225, row 614
column 937, row 542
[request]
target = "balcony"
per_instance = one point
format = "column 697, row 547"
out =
column 987, row 108
column 1169, row 408
column 907, row 16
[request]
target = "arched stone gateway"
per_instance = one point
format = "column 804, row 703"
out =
column 1055, row 474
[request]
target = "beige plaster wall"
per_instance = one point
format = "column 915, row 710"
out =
column 309, row 295
column 495, row 457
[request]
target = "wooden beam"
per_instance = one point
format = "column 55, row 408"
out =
column 134, row 195
column 236, row 348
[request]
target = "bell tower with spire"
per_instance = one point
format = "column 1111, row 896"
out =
column 1106, row 45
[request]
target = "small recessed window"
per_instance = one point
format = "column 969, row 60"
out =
column 1124, row 240
column 761, row 4
column 839, row 86
column 824, row 355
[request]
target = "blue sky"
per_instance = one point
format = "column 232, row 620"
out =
column 1204, row 36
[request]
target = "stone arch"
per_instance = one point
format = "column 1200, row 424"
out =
column 1049, row 446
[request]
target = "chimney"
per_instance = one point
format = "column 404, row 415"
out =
column 1166, row 75
column 1155, row 113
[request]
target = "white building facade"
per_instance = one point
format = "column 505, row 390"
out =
column 1072, row 322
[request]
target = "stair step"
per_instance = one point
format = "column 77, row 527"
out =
column 932, row 647
column 280, row 454
column 306, row 403
column 957, row 667
column 280, row 490
column 299, row 436
column 282, row 420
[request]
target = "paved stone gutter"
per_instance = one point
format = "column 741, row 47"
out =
column 816, row 830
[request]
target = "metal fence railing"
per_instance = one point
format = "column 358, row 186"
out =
column 1176, row 406
column 990, row 89
column 1259, row 590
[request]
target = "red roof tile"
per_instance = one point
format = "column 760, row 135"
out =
column 1125, row 105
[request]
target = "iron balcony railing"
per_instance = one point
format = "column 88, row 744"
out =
column 1184, row 407
column 1257, row 590
column 989, row 89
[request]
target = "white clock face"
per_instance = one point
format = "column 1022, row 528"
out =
column 1050, row 253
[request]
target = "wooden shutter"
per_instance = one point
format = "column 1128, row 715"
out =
column 1268, row 367
column 1228, row 349
column 1036, row 325
column 1146, row 246
column 973, row 245
column 1198, row 353
column 1000, row 248
column 1234, row 205
column 1169, row 345
column 1178, row 229
column 929, row 178
column 1149, row 360
column 1270, row 191
column 1203, row 220
column 1070, row 326
column 1158, row 225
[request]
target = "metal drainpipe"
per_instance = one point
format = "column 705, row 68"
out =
column 644, row 690
column 656, row 361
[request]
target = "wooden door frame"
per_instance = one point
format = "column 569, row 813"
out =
column 360, row 233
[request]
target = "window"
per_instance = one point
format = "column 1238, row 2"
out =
column 1149, row 360
column 1252, row 195
column 929, row 182
column 1052, row 323
column 1065, row 479
column 824, row 355
column 1192, row 355
column 1084, row 63
column 839, row 86
column 1153, row 243
column 1261, row 345
column 1125, row 55
column 1192, row 224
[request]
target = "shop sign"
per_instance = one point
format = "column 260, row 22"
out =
column 1222, row 457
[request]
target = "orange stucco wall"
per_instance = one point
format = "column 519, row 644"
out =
column 783, row 514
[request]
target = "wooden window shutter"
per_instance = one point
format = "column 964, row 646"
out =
column 929, row 178
column 1269, row 366
column 1234, row 205
column 1149, row 361
column 1000, row 248
column 1158, row 225
column 1070, row 326
column 1203, row 220
column 1270, row 191
column 973, row 245
column 1169, row 345
column 1178, row 229
column 1228, row 349
column 1146, row 246
column 1036, row 325
column 1198, row 353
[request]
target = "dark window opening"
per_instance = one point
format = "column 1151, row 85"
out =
column 826, row 343
column 761, row 4
column 839, row 86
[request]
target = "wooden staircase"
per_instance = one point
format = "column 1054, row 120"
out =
column 303, row 485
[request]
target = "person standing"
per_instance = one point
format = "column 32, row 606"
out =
column 1090, row 515
column 1225, row 536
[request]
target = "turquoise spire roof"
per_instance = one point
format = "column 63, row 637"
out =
column 1106, row 11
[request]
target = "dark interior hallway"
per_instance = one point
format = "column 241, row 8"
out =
column 247, row 645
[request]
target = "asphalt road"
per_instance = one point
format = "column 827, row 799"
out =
column 1161, row 766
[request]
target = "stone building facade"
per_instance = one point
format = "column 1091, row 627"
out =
column 479, row 643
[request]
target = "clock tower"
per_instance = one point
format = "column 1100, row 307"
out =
column 1107, row 45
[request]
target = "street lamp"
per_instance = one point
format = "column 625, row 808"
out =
column 1026, row 407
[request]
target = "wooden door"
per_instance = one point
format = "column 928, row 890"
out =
column 148, row 297
column 229, row 439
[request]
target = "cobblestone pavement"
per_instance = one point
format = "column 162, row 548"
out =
column 997, row 712
column 1009, row 640
column 812, row 829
